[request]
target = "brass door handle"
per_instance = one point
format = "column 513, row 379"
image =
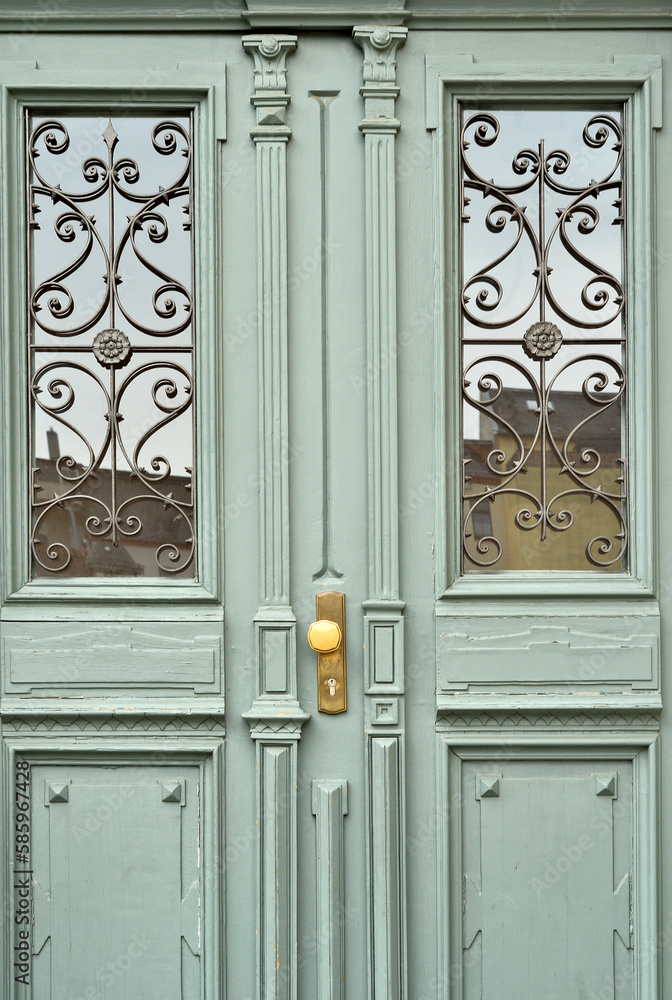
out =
column 324, row 636
column 327, row 637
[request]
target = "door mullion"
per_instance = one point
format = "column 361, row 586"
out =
column 276, row 717
column 383, row 610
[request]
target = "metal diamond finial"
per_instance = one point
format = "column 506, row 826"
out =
column 110, row 136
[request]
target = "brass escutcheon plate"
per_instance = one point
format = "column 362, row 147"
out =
column 331, row 697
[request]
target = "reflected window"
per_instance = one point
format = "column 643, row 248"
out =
column 543, row 339
column 111, row 345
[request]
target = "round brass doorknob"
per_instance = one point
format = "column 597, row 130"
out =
column 324, row 636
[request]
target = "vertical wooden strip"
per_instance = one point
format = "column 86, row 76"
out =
column 275, row 717
column 382, row 403
column 271, row 135
column 277, row 953
column 329, row 807
column 386, row 903
column 384, row 668
column 272, row 280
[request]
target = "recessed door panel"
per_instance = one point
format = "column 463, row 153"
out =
column 547, row 876
column 117, row 882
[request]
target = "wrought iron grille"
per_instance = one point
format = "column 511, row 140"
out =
column 111, row 345
column 542, row 263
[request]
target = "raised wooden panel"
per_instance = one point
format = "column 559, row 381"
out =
column 91, row 660
column 558, row 654
column 117, row 882
column 330, row 805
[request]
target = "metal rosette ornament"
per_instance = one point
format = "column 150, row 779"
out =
column 112, row 348
column 542, row 341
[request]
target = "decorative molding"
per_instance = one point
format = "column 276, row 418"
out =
column 68, row 659
column 105, row 721
column 379, row 44
column 331, row 13
column 173, row 15
column 384, row 711
column 270, row 727
column 172, row 791
column 487, row 786
column 330, row 805
column 386, row 854
column 276, row 710
column 328, row 343
column 637, row 80
column 554, row 653
column 466, row 73
column 606, row 784
column 379, row 128
column 271, row 135
column 57, row 791
column 276, row 717
column 275, row 622
column 478, row 719
column 383, row 611
column 276, row 871
column 270, row 98
column 619, row 867
column 384, row 646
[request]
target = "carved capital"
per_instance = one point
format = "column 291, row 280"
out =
column 276, row 721
column 270, row 98
column 379, row 44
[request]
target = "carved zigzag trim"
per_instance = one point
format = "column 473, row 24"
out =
column 112, row 723
column 540, row 720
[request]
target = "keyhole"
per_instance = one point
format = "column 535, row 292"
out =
column 331, row 684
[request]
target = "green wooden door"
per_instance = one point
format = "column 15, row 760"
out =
column 260, row 234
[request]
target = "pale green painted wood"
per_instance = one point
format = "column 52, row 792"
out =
column 383, row 610
column 114, row 868
column 276, row 948
column 85, row 665
column 551, row 729
column 386, row 886
column 237, row 15
column 121, row 874
column 638, row 81
column 553, row 886
column 276, row 717
column 330, row 805
column 191, row 87
column 579, row 866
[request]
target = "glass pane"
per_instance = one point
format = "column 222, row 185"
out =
column 543, row 340
column 111, row 343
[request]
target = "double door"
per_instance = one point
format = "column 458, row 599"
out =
column 480, row 816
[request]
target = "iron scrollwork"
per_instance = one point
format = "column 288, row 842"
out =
column 543, row 347
column 111, row 337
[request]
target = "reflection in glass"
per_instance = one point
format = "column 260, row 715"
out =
column 543, row 340
column 111, row 335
